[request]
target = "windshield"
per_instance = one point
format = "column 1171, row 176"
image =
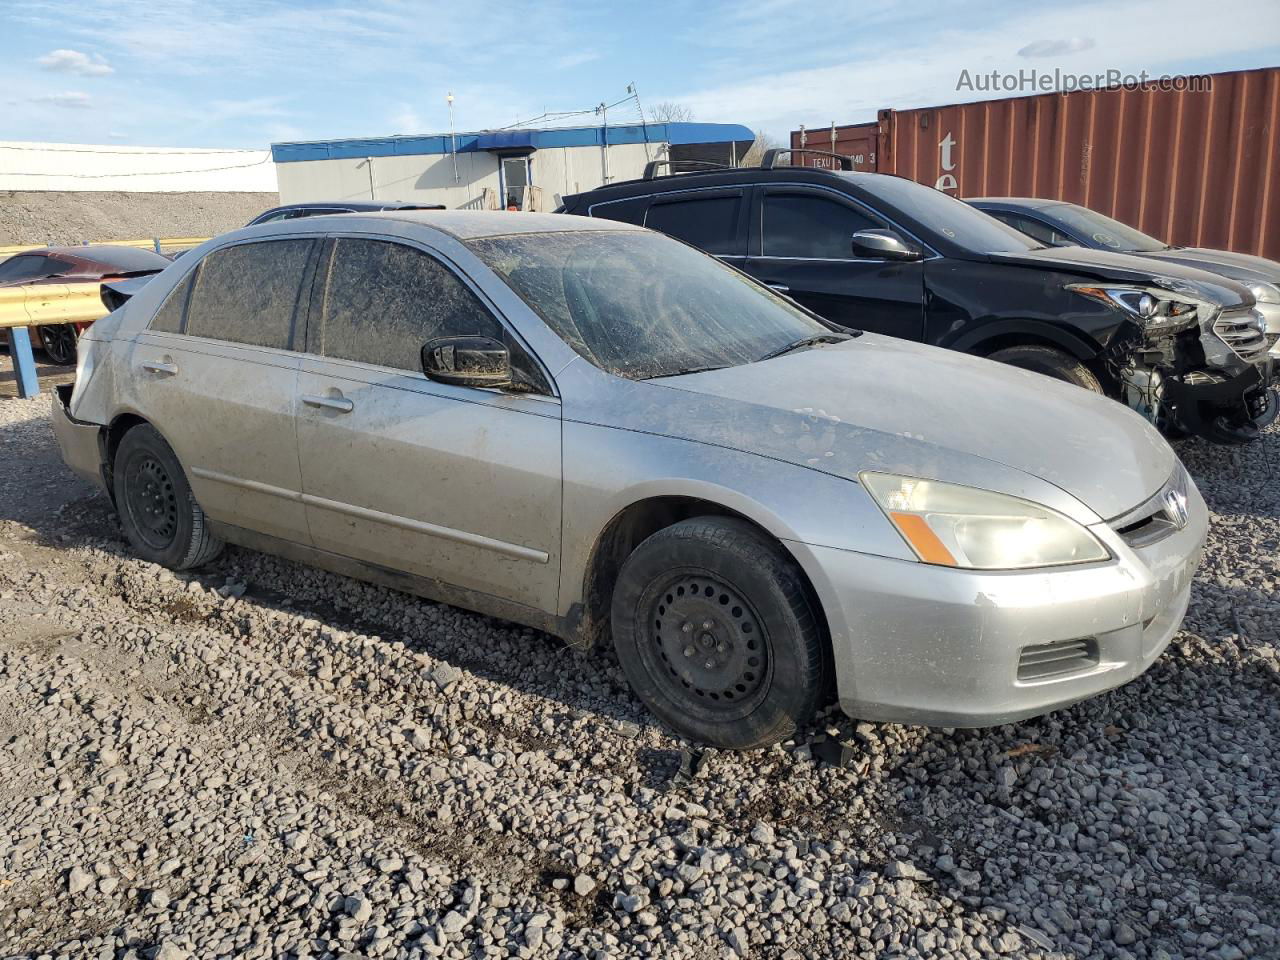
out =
column 942, row 213
column 641, row 305
column 1103, row 231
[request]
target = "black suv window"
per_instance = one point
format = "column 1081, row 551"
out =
column 246, row 294
column 709, row 223
column 808, row 226
column 382, row 301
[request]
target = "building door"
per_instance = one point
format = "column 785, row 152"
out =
column 515, row 182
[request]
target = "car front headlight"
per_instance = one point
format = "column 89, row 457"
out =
column 1160, row 309
column 1265, row 292
column 955, row 526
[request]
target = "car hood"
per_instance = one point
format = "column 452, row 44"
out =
column 1243, row 267
column 883, row 404
column 1132, row 268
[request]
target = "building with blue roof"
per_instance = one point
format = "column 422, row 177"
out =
column 528, row 169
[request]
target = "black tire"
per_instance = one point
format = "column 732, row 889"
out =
column 1051, row 362
column 159, row 515
column 58, row 341
column 717, row 633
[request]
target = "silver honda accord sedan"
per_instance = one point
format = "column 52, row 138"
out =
column 597, row 431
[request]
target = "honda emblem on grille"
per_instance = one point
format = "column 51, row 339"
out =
column 1175, row 507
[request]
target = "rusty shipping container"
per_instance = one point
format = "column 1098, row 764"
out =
column 1192, row 167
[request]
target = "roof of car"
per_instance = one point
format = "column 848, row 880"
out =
column 109, row 255
column 1030, row 203
column 694, row 179
column 359, row 205
column 473, row 224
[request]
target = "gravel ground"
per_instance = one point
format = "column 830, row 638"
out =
column 264, row 760
column 58, row 217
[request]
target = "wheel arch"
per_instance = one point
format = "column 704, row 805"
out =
column 109, row 442
column 632, row 525
column 1018, row 333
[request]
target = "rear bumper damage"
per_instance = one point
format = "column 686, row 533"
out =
column 79, row 442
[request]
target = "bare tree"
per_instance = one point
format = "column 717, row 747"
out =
column 755, row 153
column 668, row 111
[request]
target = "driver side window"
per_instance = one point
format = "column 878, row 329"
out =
column 809, row 227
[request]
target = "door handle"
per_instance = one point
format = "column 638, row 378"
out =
column 159, row 368
column 340, row 404
column 780, row 287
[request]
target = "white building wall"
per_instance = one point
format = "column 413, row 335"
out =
column 79, row 166
column 428, row 178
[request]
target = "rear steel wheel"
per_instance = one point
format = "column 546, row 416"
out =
column 157, row 511
column 151, row 502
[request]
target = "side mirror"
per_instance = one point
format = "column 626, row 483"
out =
column 467, row 361
column 883, row 245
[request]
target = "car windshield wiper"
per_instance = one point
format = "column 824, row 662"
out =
column 811, row 341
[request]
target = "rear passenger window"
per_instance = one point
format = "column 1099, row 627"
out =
column 246, row 294
column 168, row 318
column 810, row 227
column 383, row 301
column 710, row 223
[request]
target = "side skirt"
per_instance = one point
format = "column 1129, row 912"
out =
column 437, row 590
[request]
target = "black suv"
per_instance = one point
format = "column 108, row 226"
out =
column 882, row 253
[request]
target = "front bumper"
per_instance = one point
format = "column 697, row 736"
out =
column 1207, row 405
column 79, row 442
column 915, row 643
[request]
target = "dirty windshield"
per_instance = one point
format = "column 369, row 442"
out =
column 642, row 305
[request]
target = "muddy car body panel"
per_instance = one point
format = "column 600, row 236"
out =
column 456, row 493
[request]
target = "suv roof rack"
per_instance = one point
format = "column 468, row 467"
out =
column 770, row 159
column 651, row 168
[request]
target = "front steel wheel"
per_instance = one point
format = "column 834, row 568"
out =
column 718, row 634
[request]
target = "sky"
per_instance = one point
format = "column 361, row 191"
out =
column 247, row 73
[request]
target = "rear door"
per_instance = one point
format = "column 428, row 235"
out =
column 215, row 373
column 800, row 245
column 713, row 220
column 455, row 484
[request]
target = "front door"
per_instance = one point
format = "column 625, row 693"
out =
column 801, row 246
column 454, row 484
column 515, row 182
column 215, row 374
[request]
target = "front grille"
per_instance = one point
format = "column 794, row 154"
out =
column 1158, row 517
column 1046, row 660
column 1239, row 331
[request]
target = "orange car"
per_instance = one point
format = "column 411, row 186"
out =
column 69, row 264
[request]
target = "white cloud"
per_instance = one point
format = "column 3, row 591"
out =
column 73, row 61
column 1057, row 48
column 571, row 60
column 405, row 119
column 73, row 100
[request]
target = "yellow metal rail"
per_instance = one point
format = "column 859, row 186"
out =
column 37, row 304
column 170, row 243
